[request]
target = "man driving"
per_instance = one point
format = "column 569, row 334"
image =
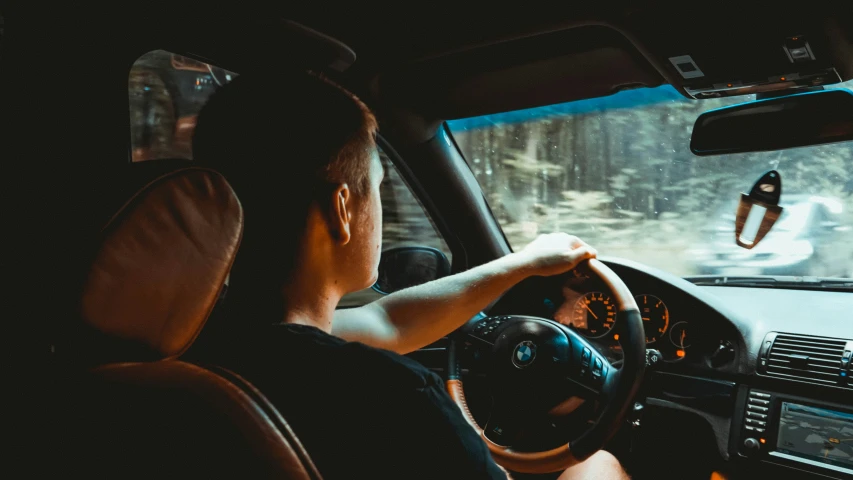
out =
column 304, row 163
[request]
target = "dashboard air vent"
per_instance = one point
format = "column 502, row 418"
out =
column 819, row 360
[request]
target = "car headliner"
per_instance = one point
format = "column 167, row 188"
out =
column 458, row 63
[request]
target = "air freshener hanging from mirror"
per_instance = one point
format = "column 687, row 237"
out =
column 758, row 211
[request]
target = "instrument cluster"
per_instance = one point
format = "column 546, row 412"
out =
column 590, row 309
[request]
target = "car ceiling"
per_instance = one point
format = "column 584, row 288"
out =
column 451, row 63
column 467, row 48
column 439, row 60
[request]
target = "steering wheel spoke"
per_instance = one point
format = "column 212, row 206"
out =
column 504, row 424
column 589, row 371
column 475, row 344
column 486, row 331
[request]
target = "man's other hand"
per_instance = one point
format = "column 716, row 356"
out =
column 555, row 253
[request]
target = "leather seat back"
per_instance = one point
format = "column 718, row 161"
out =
column 137, row 411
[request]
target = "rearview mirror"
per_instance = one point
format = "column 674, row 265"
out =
column 792, row 121
column 404, row 267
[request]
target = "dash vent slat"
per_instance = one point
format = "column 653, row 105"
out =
column 808, row 359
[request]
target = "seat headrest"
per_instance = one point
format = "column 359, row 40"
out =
column 162, row 261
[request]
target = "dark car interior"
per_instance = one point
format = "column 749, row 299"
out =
column 99, row 352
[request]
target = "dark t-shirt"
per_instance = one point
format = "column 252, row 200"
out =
column 361, row 412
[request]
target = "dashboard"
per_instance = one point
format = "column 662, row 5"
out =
column 713, row 343
column 687, row 332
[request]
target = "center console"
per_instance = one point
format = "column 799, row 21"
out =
column 794, row 432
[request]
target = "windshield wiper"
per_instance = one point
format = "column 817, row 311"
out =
column 805, row 283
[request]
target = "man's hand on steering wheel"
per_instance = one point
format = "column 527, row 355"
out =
column 555, row 253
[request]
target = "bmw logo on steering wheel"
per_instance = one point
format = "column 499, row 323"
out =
column 524, row 354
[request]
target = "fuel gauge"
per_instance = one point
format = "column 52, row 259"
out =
column 679, row 335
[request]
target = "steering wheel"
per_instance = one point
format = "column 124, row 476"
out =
column 532, row 362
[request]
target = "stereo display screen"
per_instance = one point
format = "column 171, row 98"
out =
column 816, row 434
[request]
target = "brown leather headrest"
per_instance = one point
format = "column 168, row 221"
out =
column 163, row 260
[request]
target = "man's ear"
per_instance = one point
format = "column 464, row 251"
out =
column 340, row 215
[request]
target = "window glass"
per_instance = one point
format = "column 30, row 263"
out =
column 166, row 92
column 404, row 223
column 617, row 171
column 404, row 220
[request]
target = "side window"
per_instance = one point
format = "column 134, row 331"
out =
column 166, row 92
column 405, row 223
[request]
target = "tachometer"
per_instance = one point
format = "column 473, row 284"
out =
column 594, row 314
column 655, row 316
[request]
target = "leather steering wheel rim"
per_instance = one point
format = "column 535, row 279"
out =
column 624, row 388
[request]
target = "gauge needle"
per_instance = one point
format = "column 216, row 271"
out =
column 683, row 334
column 590, row 311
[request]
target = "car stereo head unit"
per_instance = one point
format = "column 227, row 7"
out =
column 788, row 430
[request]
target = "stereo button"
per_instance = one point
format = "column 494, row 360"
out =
column 751, row 446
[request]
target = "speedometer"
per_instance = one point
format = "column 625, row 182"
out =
column 655, row 316
column 594, row 314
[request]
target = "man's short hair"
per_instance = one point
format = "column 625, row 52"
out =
column 301, row 125
column 282, row 141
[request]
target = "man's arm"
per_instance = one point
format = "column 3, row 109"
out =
column 418, row 316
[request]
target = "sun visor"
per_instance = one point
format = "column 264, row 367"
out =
column 556, row 67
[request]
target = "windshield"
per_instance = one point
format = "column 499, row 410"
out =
column 617, row 172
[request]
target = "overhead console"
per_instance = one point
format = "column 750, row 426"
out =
column 804, row 69
column 786, row 81
column 758, row 50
